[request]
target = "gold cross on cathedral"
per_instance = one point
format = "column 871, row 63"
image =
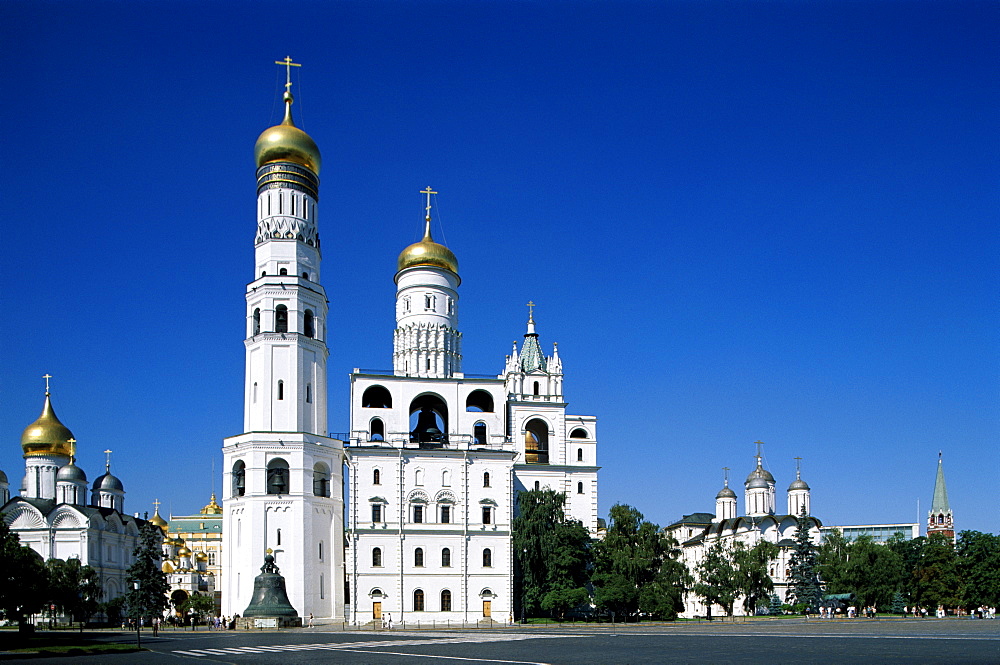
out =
column 759, row 444
column 428, row 192
column 531, row 309
column 47, row 377
column 107, row 462
column 725, row 474
column 156, row 505
column 798, row 466
column 287, row 62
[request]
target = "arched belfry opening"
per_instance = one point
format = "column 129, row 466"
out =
column 376, row 397
column 479, row 400
column 536, row 441
column 429, row 421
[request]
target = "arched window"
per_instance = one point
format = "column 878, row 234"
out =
column 283, row 271
column 307, row 324
column 446, row 558
column 376, row 397
column 377, row 477
column 487, row 558
column 321, row 480
column 277, row 476
column 263, row 273
column 537, row 486
column 429, row 420
column 321, row 550
column 281, row 390
column 254, row 392
column 377, row 557
column 256, row 321
column 446, row 478
column 486, row 479
column 418, row 477
column 418, row 557
column 309, row 393
column 418, row 600
column 446, row 601
column 278, row 537
column 578, row 433
column 579, row 488
column 579, row 454
column 479, row 400
column 377, row 432
column 239, row 478
column 536, row 442
column 535, row 392
column 479, row 433
column 941, row 518
column 281, row 319
column 305, row 275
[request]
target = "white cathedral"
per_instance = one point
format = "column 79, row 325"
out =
column 434, row 460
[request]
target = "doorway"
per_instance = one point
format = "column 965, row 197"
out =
column 377, row 610
column 487, row 608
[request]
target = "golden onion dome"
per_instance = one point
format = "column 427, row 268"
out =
column 201, row 556
column 287, row 143
column 212, row 508
column 428, row 253
column 183, row 552
column 167, row 567
column 47, row 436
column 158, row 521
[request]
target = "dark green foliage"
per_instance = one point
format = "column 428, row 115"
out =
column 150, row 599
column 200, row 605
column 74, row 588
column 552, row 554
column 774, row 608
column 803, row 581
column 935, row 577
column 718, row 581
column 898, row 603
column 752, row 569
column 872, row 572
column 23, row 579
column 637, row 568
column 979, row 566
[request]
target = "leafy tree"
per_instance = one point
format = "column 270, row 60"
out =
column 979, row 565
column 774, row 608
column 898, row 602
column 74, row 588
column 753, row 579
column 23, row 579
column 936, row 579
column 113, row 609
column 804, row 587
column 636, row 567
column 873, row 573
column 552, row 553
column 718, row 581
column 150, row 599
column 910, row 552
column 199, row 605
column 831, row 561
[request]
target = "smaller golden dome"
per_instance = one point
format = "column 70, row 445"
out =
column 212, row 508
column 167, row 567
column 183, row 552
column 201, row 556
column 287, row 143
column 47, row 436
column 158, row 521
column 428, row 253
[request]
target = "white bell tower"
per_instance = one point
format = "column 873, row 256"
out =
column 282, row 477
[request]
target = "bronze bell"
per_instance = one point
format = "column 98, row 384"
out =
column 426, row 429
column 269, row 596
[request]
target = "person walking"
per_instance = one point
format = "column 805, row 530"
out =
column 310, row 620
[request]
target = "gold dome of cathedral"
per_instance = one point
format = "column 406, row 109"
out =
column 287, row 143
column 47, row 435
column 428, row 253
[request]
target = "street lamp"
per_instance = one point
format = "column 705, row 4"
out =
column 138, row 616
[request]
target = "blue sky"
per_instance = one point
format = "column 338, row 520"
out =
column 740, row 221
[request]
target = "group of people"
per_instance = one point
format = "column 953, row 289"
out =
column 871, row 612
column 387, row 620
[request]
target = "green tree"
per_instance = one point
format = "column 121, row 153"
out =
column 718, row 581
column 898, row 602
column 636, row 567
column 74, row 588
column 23, row 579
column 774, row 607
column 552, row 554
column 873, row 573
column 910, row 552
column 752, row 572
column 199, row 605
column 936, row 579
column 150, row 599
column 804, row 583
column 979, row 566
column 831, row 561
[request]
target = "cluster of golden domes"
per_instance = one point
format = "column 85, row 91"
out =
column 47, row 435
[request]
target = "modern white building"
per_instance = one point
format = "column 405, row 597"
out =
column 437, row 458
column 52, row 515
column 699, row 532
column 282, row 476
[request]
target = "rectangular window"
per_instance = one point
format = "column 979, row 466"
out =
column 418, row 514
column 322, row 594
column 445, row 514
column 487, row 515
column 376, row 512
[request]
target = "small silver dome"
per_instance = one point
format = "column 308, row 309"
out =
column 757, row 483
column 71, row 472
column 108, row 482
column 3, row 477
column 726, row 493
column 798, row 484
